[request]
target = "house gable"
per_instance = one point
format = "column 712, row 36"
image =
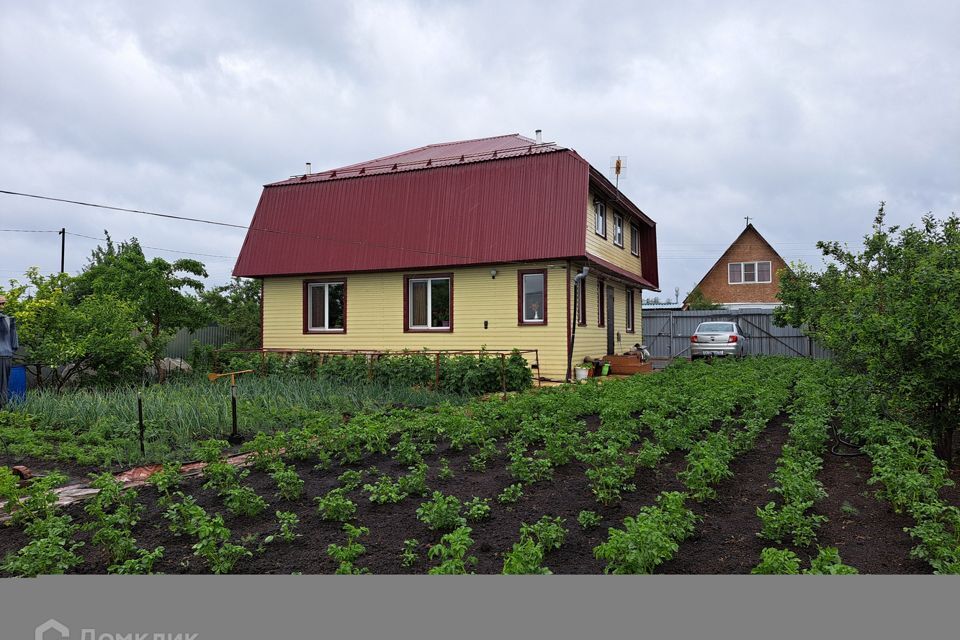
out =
column 749, row 248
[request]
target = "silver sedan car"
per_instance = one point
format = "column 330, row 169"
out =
column 717, row 339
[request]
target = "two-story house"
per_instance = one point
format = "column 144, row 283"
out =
column 746, row 275
column 452, row 246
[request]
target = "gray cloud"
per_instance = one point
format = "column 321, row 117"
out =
column 803, row 117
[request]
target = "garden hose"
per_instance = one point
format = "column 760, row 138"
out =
column 838, row 441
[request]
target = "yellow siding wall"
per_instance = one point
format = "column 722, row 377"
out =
column 591, row 340
column 375, row 315
column 605, row 249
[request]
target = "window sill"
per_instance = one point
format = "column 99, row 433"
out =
column 532, row 323
column 428, row 330
column 323, row 331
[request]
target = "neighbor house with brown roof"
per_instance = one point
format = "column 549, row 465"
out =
column 745, row 276
column 452, row 246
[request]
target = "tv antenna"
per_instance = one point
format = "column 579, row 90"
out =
column 617, row 166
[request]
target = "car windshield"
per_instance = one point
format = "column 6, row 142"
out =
column 715, row 327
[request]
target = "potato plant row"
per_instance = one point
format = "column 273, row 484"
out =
column 908, row 473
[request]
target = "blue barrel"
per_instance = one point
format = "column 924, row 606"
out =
column 17, row 389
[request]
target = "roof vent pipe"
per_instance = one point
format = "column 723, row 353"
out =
column 539, row 136
column 309, row 168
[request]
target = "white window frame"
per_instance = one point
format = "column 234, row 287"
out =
column 634, row 239
column 326, row 328
column 429, row 281
column 600, row 219
column 618, row 230
column 756, row 272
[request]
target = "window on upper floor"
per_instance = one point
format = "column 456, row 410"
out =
column 634, row 239
column 600, row 218
column 748, row 272
column 429, row 303
column 533, row 296
column 618, row 230
column 325, row 306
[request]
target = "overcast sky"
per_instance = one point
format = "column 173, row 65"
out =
column 803, row 116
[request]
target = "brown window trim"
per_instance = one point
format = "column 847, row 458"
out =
column 527, row 323
column 604, row 205
column 407, row 277
column 631, row 311
column 634, row 235
column 623, row 232
column 601, row 302
column 306, row 306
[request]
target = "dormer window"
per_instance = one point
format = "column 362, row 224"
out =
column 600, row 216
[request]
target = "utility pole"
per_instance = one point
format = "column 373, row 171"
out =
column 63, row 246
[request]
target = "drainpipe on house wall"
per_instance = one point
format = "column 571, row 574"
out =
column 577, row 292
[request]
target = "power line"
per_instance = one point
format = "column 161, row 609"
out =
column 80, row 235
column 190, row 253
column 111, row 208
column 169, row 216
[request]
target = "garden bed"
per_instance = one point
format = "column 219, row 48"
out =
column 651, row 440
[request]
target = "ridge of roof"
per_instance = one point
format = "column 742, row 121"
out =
column 455, row 153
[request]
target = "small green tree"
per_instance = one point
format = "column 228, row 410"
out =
column 891, row 311
column 99, row 334
column 697, row 301
column 159, row 291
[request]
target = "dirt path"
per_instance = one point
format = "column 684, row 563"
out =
column 726, row 541
column 865, row 530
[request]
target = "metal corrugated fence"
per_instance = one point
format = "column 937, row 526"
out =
column 180, row 345
column 667, row 333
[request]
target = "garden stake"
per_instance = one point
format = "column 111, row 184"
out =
column 140, row 420
column 234, row 437
column 503, row 376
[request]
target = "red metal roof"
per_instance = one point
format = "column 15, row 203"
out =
column 486, row 201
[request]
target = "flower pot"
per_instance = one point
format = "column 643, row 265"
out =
column 580, row 373
column 606, row 369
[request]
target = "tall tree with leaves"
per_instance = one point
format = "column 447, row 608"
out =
column 236, row 306
column 164, row 294
column 891, row 311
column 96, row 339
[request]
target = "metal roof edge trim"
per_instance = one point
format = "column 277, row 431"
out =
column 411, row 269
column 623, row 273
